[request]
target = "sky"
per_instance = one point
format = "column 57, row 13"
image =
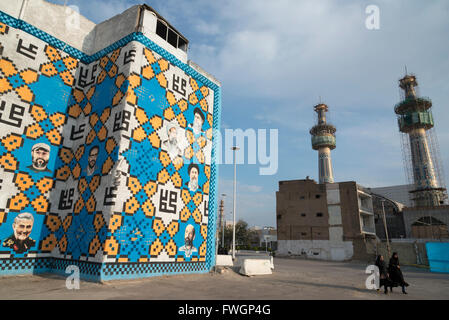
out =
column 276, row 59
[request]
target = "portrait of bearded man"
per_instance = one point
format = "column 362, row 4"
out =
column 171, row 145
column 198, row 121
column 193, row 170
column 189, row 236
column 20, row 240
column 92, row 161
column 40, row 155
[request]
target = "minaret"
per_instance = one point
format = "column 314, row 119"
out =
column 323, row 140
column 414, row 119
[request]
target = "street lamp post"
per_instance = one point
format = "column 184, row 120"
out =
column 216, row 242
column 222, row 222
column 385, row 227
column 234, row 148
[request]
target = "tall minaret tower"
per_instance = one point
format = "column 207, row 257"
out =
column 414, row 119
column 323, row 140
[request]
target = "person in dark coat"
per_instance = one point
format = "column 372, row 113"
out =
column 395, row 272
column 384, row 276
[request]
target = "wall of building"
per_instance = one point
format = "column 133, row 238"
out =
column 412, row 215
column 316, row 249
column 349, row 210
column 303, row 235
column 342, row 204
column 396, row 193
column 408, row 252
column 302, row 211
column 60, row 21
column 334, row 210
column 129, row 216
column 393, row 216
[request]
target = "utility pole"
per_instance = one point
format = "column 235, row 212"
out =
column 386, row 230
column 222, row 219
column 223, row 224
column 218, row 227
column 234, row 148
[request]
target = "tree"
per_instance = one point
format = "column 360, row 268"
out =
column 243, row 235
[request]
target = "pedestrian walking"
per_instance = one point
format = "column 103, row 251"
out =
column 395, row 272
column 384, row 276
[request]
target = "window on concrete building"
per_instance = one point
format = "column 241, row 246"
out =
column 161, row 29
column 172, row 38
column 319, row 214
column 169, row 35
column 303, row 214
column 302, row 197
column 303, row 233
column 279, row 217
column 182, row 44
column 317, row 196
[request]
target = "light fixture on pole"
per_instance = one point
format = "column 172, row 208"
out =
column 234, row 148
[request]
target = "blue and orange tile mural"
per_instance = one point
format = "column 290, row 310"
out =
column 107, row 161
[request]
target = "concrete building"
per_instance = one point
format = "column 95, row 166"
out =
column 408, row 222
column 394, row 218
column 106, row 145
column 333, row 221
column 405, row 220
column 427, row 222
column 400, row 193
column 266, row 237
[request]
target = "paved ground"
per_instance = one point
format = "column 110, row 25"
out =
column 292, row 279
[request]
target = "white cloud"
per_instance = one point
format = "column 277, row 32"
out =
column 207, row 28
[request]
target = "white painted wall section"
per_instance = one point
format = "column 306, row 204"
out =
column 317, row 249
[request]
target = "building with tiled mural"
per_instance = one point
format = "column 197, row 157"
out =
column 107, row 145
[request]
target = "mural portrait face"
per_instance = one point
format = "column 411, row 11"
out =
column 172, row 144
column 193, row 175
column 92, row 160
column 198, row 120
column 40, row 154
column 189, row 236
column 20, row 240
column 22, row 226
column 93, row 154
column 172, row 135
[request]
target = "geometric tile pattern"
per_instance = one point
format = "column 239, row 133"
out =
column 116, row 167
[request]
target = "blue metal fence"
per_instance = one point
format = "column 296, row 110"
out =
column 438, row 256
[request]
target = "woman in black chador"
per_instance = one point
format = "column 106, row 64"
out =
column 384, row 277
column 395, row 272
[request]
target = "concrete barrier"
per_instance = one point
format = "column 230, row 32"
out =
column 253, row 267
column 224, row 260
